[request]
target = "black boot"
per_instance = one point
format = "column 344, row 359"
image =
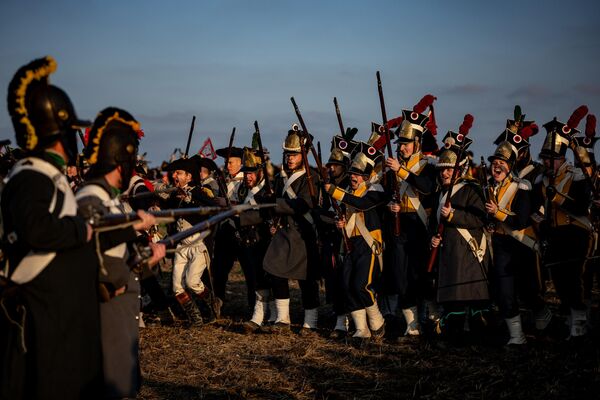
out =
column 190, row 308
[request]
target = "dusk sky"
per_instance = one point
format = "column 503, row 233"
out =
column 233, row 62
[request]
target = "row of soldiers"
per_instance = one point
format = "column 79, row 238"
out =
column 415, row 233
column 420, row 233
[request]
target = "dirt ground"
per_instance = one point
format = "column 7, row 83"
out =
column 217, row 361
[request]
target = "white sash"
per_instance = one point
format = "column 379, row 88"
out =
column 455, row 190
column 114, row 206
column 526, row 170
column 35, row 262
column 252, row 192
column 232, row 186
column 287, row 188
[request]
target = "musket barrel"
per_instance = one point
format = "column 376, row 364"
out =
column 189, row 140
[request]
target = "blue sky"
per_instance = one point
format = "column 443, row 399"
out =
column 231, row 62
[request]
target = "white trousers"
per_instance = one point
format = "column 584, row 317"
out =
column 190, row 263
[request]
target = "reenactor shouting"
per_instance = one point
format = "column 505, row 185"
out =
column 508, row 205
column 362, row 266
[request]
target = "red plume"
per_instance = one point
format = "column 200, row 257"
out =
column 392, row 123
column 590, row 125
column 140, row 133
column 529, row 131
column 466, row 125
column 430, row 125
column 86, row 136
column 577, row 116
column 425, row 102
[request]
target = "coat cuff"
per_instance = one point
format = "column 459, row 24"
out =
column 402, row 173
column 336, row 193
column 501, row 215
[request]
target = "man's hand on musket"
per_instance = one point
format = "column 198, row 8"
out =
column 491, row 207
column 446, row 212
column 394, row 207
column 159, row 250
column 340, row 223
column 146, row 221
column 392, row 164
column 436, row 240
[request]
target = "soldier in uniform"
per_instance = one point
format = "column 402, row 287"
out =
column 562, row 196
column 463, row 258
column 333, row 243
column 584, row 147
column 226, row 240
column 408, row 252
column 254, row 237
column 292, row 252
column 111, row 153
column 52, row 347
column 508, row 205
column 206, row 169
column 362, row 266
column 526, row 258
column 191, row 256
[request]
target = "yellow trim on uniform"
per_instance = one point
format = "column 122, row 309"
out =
column 96, row 141
column 337, row 193
column 21, row 92
column 370, row 278
column 501, row 215
column 402, row 173
column 208, row 192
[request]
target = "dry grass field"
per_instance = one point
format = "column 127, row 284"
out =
column 219, row 362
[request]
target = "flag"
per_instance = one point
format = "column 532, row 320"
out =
column 207, row 150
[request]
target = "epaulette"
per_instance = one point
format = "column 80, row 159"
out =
column 523, row 184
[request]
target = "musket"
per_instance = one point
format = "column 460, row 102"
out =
column 339, row 116
column 162, row 216
column 268, row 188
column 397, row 228
column 189, row 141
column 303, row 144
column 146, row 195
column 141, row 254
column 336, row 206
column 488, row 193
column 231, row 137
column 440, row 227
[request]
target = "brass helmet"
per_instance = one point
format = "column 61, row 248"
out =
column 505, row 152
column 559, row 134
column 251, row 160
column 414, row 122
column 42, row 113
column 455, row 144
column 292, row 140
column 365, row 159
column 113, row 141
